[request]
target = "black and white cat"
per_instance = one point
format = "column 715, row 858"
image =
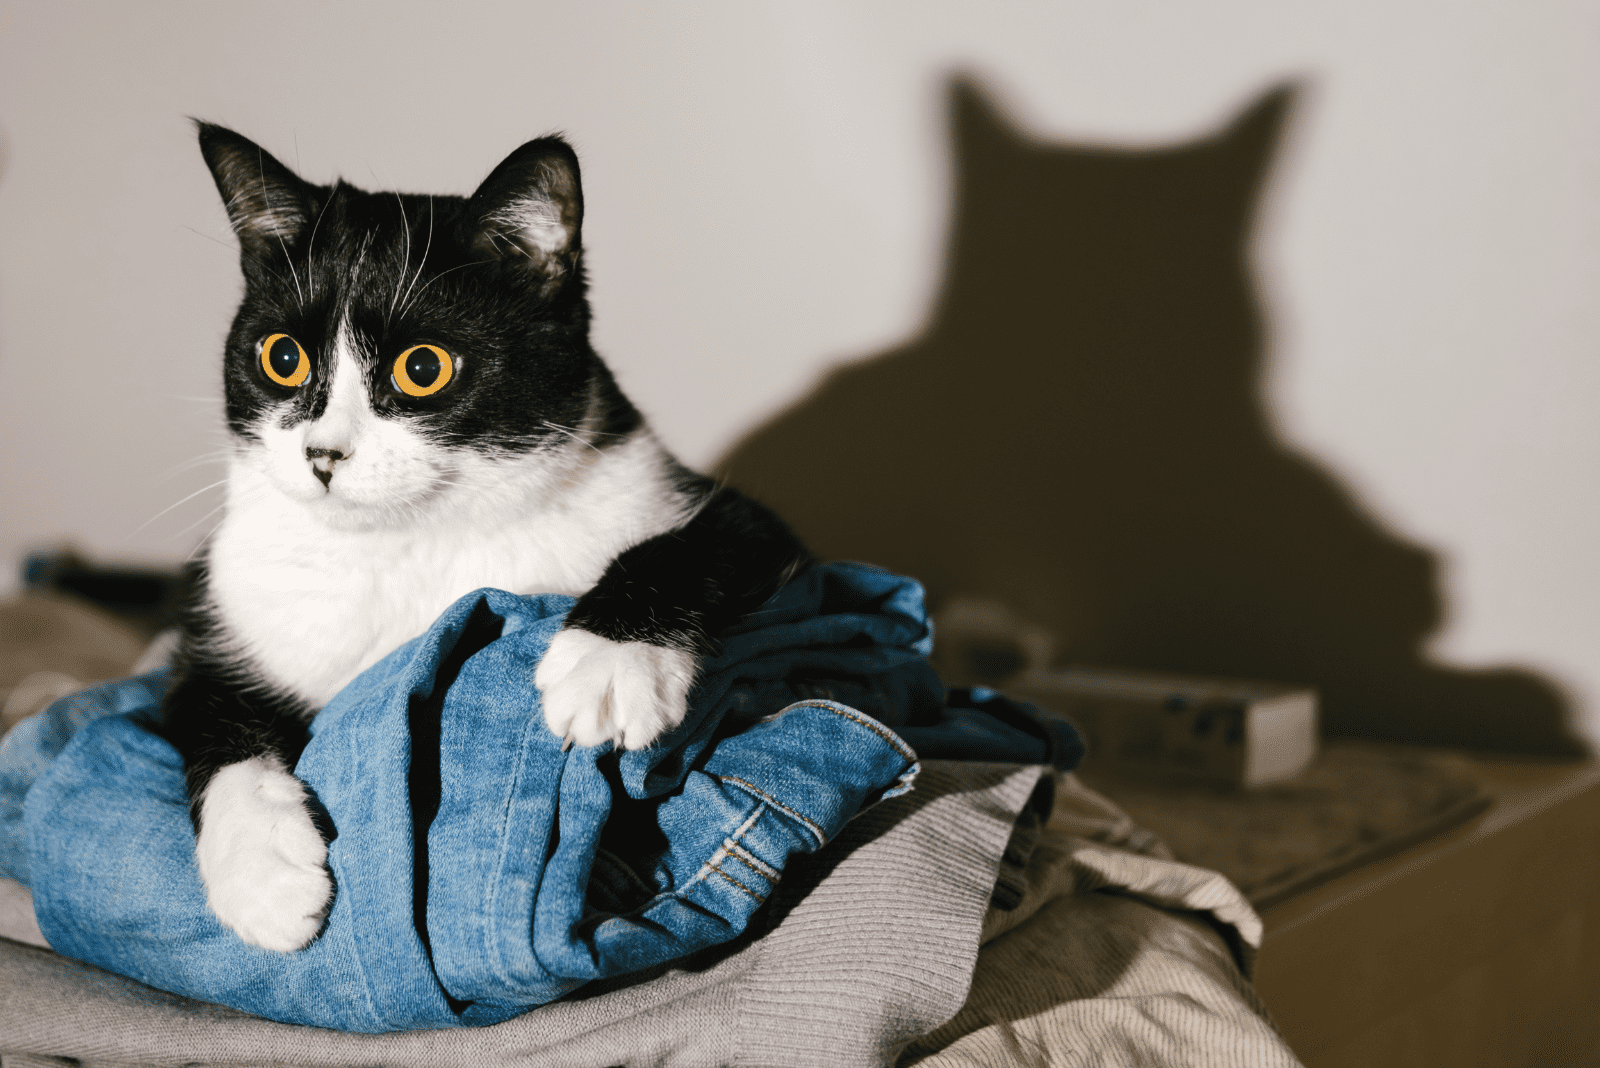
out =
column 416, row 412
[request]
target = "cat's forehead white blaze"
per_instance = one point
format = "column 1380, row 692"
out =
column 349, row 407
column 385, row 470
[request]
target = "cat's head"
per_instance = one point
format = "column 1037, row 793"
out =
column 391, row 348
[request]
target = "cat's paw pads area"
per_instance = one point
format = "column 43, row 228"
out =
column 595, row 689
column 261, row 857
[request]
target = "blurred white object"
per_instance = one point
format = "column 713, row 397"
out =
column 1181, row 728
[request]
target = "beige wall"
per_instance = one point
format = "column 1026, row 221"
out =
column 769, row 191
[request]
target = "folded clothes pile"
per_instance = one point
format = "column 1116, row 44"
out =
column 480, row 869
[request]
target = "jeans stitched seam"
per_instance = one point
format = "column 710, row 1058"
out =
column 706, row 868
column 740, row 885
column 492, row 945
column 749, row 865
column 753, row 862
column 870, row 724
column 816, row 831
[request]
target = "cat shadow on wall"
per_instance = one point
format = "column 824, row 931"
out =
column 1080, row 433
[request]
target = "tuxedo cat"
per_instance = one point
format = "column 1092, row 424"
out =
column 415, row 412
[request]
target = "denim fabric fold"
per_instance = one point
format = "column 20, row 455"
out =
column 480, row 870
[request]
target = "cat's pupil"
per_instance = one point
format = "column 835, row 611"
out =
column 284, row 356
column 423, row 367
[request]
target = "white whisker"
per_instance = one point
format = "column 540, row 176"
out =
column 216, row 457
column 266, row 200
column 423, row 262
column 311, row 278
column 405, row 224
column 202, row 519
column 225, row 244
column 435, row 278
column 201, row 544
column 574, row 433
column 361, row 257
column 170, row 507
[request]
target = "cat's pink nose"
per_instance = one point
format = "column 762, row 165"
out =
column 322, row 461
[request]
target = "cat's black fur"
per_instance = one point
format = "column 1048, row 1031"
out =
column 497, row 280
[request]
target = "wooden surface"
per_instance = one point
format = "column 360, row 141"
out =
column 1479, row 947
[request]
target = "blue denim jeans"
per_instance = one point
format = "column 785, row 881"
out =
column 481, row 870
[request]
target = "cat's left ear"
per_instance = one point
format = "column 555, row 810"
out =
column 531, row 207
column 268, row 204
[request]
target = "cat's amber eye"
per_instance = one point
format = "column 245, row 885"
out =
column 284, row 361
column 423, row 370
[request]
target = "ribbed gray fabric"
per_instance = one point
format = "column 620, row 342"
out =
column 871, row 930
column 1084, row 972
column 873, row 942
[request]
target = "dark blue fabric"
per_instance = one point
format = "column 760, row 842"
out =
column 538, row 870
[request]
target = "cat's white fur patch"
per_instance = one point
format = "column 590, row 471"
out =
column 595, row 689
column 255, row 210
column 348, row 414
column 262, row 860
column 538, row 222
column 318, row 583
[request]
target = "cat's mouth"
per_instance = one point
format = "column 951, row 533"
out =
column 351, row 492
column 362, row 474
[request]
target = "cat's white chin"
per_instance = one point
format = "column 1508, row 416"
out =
column 348, row 514
column 261, row 858
column 596, row 690
column 352, row 504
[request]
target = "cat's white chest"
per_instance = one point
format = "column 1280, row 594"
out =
column 312, row 612
column 311, row 607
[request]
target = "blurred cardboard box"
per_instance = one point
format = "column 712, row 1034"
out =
column 1220, row 732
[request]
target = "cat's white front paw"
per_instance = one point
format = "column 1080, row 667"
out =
column 262, row 859
column 597, row 689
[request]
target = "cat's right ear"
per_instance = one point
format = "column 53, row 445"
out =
column 531, row 208
column 268, row 204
